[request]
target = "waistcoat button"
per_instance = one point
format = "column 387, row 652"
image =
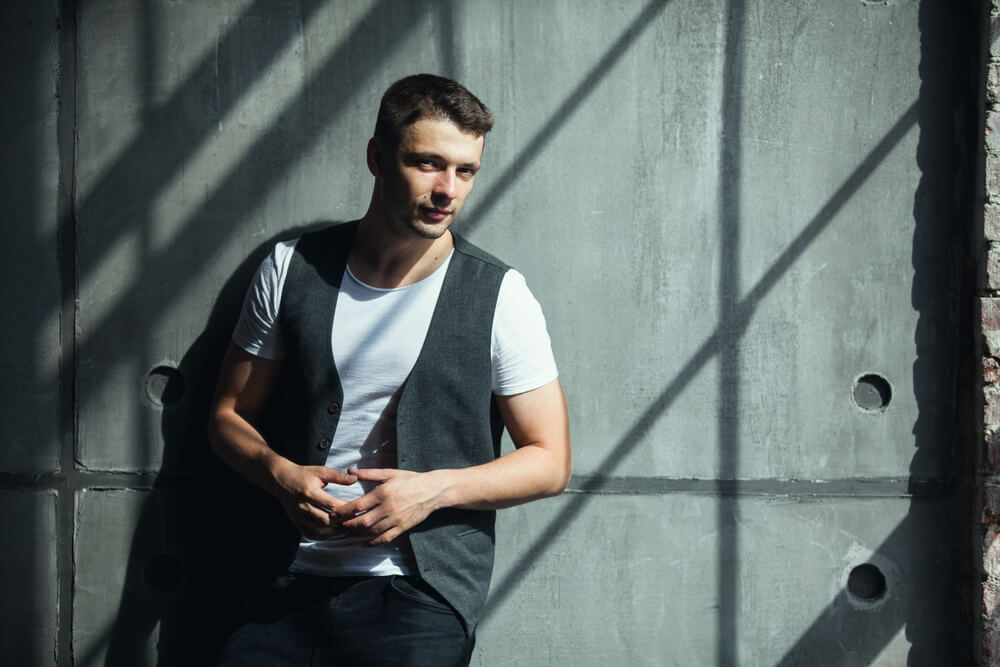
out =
column 323, row 444
column 332, row 408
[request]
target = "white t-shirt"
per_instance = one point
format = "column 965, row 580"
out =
column 376, row 338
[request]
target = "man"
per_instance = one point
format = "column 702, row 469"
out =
column 398, row 352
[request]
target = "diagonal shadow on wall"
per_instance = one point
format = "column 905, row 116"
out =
column 172, row 132
column 725, row 335
column 560, row 117
column 325, row 95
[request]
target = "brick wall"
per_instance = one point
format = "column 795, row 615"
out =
column 989, row 309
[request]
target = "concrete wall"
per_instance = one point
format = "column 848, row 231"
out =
column 744, row 221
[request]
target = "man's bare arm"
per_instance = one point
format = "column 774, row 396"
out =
column 245, row 384
column 539, row 467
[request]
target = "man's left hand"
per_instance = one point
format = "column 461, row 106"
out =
column 401, row 500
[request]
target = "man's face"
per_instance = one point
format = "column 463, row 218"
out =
column 426, row 181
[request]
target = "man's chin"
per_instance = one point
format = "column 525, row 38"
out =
column 430, row 230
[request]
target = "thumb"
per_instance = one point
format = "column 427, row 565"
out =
column 372, row 474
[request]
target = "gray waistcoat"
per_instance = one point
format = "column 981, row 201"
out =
column 447, row 415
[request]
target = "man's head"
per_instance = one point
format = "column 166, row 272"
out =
column 428, row 96
column 425, row 154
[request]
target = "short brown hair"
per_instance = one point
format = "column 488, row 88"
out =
column 429, row 96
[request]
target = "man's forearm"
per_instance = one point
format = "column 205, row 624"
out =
column 526, row 474
column 243, row 448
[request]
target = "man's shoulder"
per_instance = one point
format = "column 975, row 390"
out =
column 321, row 238
column 321, row 254
column 473, row 252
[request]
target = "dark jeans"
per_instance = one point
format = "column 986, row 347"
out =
column 308, row 620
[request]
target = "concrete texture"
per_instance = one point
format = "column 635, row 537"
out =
column 29, row 342
column 730, row 212
column 28, row 577
column 606, row 592
column 108, row 546
column 669, row 221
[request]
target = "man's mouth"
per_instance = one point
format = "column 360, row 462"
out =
column 436, row 213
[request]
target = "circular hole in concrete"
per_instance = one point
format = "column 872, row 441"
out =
column 866, row 583
column 872, row 392
column 163, row 573
column 165, row 386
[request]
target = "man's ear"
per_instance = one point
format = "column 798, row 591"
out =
column 374, row 153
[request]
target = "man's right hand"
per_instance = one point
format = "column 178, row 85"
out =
column 311, row 510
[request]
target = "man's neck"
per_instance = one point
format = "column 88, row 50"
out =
column 385, row 260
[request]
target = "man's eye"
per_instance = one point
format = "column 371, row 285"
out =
column 467, row 173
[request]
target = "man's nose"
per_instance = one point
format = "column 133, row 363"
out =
column 445, row 185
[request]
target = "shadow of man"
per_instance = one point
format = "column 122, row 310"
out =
column 206, row 540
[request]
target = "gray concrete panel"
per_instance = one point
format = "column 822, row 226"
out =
column 685, row 579
column 28, row 577
column 111, row 556
column 30, row 274
column 620, row 211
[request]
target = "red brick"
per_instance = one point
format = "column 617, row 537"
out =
column 991, row 370
column 991, row 222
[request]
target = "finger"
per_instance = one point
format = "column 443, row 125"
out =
column 314, row 514
column 333, row 476
column 358, row 506
column 371, row 522
column 309, row 521
column 374, row 474
column 386, row 537
column 320, row 500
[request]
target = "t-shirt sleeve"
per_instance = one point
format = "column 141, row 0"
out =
column 522, row 351
column 257, row 330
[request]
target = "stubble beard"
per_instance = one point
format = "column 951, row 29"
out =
column 430, row 231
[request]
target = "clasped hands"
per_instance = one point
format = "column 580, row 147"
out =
column 400, row 501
